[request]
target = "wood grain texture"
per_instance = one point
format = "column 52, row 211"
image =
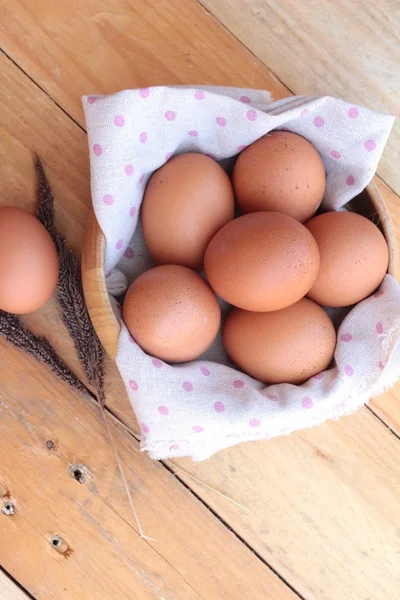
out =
column 323, row 504
column 387, row 407
column 101, row 46
column 344, row 48
column 8, row 589
column 195, row 556
column 94, row 283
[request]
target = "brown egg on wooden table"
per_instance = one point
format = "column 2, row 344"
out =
column 280, row 172
column 185, row 203
column 172, row 313
column 28, row 262
column 285, row 346
column 354, row 258
column 262, row 261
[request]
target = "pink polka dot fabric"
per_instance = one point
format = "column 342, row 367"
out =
column 198, row 408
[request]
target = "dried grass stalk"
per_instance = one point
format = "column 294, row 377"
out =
column 16, row 334
column 70, row 292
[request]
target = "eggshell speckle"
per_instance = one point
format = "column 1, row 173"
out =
column 289, row 345
column 354, row 258
column 28, row 262
column 172, row 313
column 280, row 172
column 186, row 202
column 262, row 261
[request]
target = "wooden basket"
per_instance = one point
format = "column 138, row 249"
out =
column 369, row 203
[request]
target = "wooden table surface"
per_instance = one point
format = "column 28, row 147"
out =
column 321, row 517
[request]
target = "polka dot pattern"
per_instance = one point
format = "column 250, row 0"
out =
column 197, row 407
column 119, row 120
column 370, row 145
column 319, row 376
column 319, row 121
column 353, row 112
column 346, row 337
column 238, row 383
column 307, row 403
column 108, row 199
column 170, row 115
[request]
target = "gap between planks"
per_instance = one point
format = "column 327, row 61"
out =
column 11, row 589
column 170, row 469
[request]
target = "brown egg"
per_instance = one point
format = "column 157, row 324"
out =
column 262, row 261
column 354, row 258
column 285, row 346
column 172, row 313
column 281, row 172
column 28, row 262
column 186, row 202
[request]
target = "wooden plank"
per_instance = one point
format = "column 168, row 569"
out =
column 297, row 499
column 72, row 49
column 323, row 506
column 340, row 48
column 387, row 408
column 102, row 555
column 8, row 589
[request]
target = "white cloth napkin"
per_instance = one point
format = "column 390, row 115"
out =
column 197, row 408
